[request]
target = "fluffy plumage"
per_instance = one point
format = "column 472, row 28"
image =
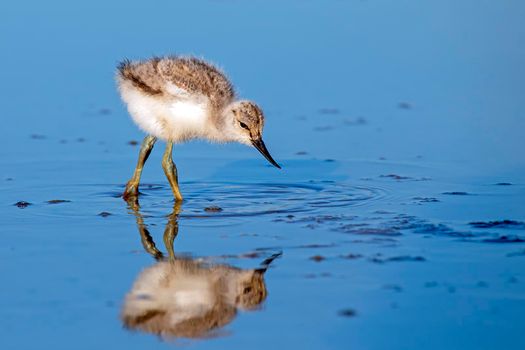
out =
column 180, row 98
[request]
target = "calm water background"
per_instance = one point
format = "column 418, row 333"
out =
column 394, row 121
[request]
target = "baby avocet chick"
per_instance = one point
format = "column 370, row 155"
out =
column 176, row 99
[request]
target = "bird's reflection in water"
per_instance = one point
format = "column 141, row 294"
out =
column 184, row 297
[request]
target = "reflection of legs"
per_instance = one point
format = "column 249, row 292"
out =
column 171, row 171
column 170, row 233
column 132, row 187
column 172, row 230
column 145, row 236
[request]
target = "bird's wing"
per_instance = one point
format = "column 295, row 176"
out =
column 191, row 76
column 176, row 91
column 178, row 77
column 143, row 75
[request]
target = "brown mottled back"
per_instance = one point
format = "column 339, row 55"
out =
column 188, row 73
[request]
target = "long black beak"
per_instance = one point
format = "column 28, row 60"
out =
column 259, row 144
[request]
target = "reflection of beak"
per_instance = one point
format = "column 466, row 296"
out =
column 267, row 262
column 261, row 271
column 259, row 144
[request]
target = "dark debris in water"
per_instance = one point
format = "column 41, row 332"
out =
column 390, row 224
column 441, row 230
column 317, row 219
column 498, row 224
column 456, row 193
column 504, row 239
column 58, row 201
column 503, row 184
column 482, row 284
column 357, row 121
column 22, row 204
column 133, row 142
column 393, row 287
column 402, row 258
column 213, row 209
column 404, row 105
column 407, row 222
column 317, row 258
column 104, row 214
column 403, row 178
column 396, row 177
column 104, row 111
column 347, row 312
column 38, row 137
column 372, row 231
column 351, row 256
column 317, row 246
column 431, row 284
column 426, row 199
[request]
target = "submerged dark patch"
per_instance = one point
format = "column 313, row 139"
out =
column 403, row 258
column 498, row 224
column 58, row 201
column 504, row 239
column 347, row 313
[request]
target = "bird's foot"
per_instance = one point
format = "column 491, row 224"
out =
column 131, row 193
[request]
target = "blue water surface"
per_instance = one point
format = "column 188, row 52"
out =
column 399, row 212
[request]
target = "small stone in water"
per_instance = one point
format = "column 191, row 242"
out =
column 213, row 209
column 317, row 258
column 23, row 204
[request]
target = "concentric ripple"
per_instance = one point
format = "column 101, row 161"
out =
column 208, row 200
column 254, row 199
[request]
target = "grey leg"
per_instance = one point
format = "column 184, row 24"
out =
column 132, row 187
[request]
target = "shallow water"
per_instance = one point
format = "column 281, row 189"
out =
column 398, row 220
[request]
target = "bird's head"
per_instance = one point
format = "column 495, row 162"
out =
column 245, row 123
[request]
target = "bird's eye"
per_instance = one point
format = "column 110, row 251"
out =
column 244, row 126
